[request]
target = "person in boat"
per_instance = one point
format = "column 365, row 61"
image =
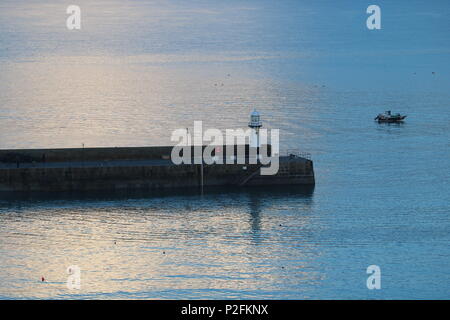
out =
column 388, row 116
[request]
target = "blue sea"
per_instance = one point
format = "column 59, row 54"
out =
column 137, row 70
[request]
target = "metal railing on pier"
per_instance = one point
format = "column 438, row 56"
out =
column 298, row 153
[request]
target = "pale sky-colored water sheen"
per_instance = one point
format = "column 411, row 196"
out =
column 139, row 69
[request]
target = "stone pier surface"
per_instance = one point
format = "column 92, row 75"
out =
column 146, row 168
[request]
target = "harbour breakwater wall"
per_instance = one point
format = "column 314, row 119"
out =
column 147, row 168
column 101, row 154
column 83, row 154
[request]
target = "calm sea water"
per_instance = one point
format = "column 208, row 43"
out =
column 139, row 69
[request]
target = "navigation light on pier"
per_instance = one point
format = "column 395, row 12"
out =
column 255, row 123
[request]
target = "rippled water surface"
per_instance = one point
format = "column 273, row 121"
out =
column 139, row 69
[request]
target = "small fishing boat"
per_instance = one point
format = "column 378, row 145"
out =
column 387, row 116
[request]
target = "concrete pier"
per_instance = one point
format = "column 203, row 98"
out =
column 146, row 168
